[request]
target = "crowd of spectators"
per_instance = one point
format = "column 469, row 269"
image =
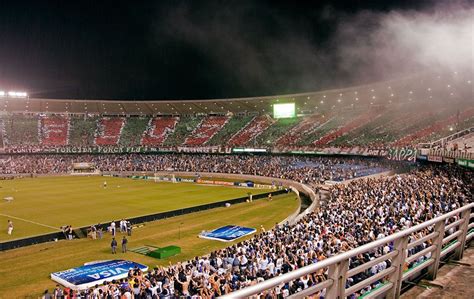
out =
column 354, row 214
column 301, row 169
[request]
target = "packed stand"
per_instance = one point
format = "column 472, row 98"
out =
column 206, row 130
column 109, row 130
column 251, row 131
column 54, row 130
column 308, row 170
column 355, row 214
column 158, row 130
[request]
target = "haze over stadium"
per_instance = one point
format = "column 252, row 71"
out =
column 244, row 49
column 250, row 149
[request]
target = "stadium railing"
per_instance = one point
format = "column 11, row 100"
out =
column 443, row 141
column 445, row 239
column 451, row 154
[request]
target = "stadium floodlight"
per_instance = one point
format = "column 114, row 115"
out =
column 17, row 94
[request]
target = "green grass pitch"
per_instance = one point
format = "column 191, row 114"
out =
column 44, row 204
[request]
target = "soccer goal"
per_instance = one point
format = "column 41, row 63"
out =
column 164, row 178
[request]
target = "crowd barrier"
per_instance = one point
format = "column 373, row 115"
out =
column 50, row 237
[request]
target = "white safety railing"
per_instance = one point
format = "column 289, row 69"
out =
column 443, row 141
column 460, row 154
column 434, row 239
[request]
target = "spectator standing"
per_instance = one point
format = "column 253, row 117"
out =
column 58, row 292
column 93, row 232
column 123, row 225
column 99, row 231
column 69, row 232
column 129, row 228
column 10, row 227
column 47, row 295
column 113, row 245
column 124, row 244
column 112, row 228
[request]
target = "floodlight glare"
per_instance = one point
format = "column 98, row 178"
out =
column 17, row 94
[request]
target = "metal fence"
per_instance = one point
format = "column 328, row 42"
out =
column 451, row 154
column 443, row 141
column 436, row 239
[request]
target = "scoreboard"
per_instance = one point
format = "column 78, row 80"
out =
column 286, row 110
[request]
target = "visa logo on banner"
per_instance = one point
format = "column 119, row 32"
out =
column 227, row 233
column 94, row 273
column 108, row 273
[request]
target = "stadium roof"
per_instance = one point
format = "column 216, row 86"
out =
column 415, row 88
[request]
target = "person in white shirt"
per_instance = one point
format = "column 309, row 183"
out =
column 112, row 228
column 10, row 227
column 127, row 295
column 123, row 226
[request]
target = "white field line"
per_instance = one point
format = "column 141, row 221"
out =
column 37, row 223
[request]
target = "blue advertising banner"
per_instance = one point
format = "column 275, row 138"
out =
column 227, row 233
column 95, row 273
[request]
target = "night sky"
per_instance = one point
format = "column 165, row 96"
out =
column 176, row 49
